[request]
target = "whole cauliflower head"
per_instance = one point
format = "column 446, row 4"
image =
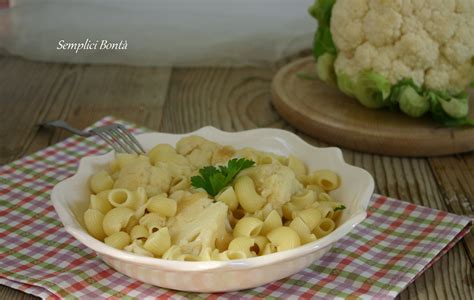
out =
column 429, row 41
column 415, row 55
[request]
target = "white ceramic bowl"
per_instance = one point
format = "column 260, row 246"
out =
column 71, row 197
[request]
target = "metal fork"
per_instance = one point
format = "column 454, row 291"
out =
column 116, row 135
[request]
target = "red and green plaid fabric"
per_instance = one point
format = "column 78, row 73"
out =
column 4, row 4
column 379, row 258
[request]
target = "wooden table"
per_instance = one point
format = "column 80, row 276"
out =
column 184, row 99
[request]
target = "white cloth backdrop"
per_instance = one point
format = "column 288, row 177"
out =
column 159, row 32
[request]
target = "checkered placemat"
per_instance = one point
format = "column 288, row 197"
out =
column 4, row 4
column 379, row 258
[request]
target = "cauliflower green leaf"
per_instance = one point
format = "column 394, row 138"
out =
column 321, row 10
column 346, row 85
column 213, row 179
column 323, row 42
column 409, row 98
column 450, row 110
column 372, row 89
column 412, row 103
column 325, row 68
column 456, row 107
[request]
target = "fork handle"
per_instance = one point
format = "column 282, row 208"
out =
column 63, row 125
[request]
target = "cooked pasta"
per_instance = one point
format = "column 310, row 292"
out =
column 288, row 210
column 101, row 181
column 231, row 255
column 245, row 245
column 180, row 183
column 166, row 153
column 150, row 205
column 325, row 227
column 118, row 240
column 103, row 195
column 311, row 217
column 326, row 209
column 163, row 206
column 303, row 199
column 99, row 203
column 153, row 222
column 122, row 159
column 295, row 164
column 298, row 225
column 126, row 198
column 316, row 189
column 228, row 196
column 284, row 238
column 158, row 242
column 272, row 221
column 326, row 179
column 324, row 197
column 260, row 242
column 139, row 232
column 93, row 220
column 117, row 219
column 247, row 196
column 248, row 227
column 269, row 249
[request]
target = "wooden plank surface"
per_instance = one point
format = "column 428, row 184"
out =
column 322, row 111
column 181, row 100
column 33, row 92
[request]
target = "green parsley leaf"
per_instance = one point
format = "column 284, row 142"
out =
column 342, row 207
column 213, row 179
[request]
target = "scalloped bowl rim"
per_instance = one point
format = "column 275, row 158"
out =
column 75, row 229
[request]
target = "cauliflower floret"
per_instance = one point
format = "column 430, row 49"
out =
column 433, row 40
column 199, row 158
column 382, row 25
column 199, row 226
column 187, row 144
column 276, row 183
column 201, row 152
column 141, row 173
column 175, row 170
column 222, row 155
column 350, row 33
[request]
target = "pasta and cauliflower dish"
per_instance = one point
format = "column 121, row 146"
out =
column 203, row 201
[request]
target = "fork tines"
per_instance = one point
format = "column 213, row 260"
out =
column 117, row 136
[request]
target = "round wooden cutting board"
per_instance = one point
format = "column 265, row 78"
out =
column 326, row 114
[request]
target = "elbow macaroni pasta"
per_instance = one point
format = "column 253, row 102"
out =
column 326, row 179
column 158, row 242
column 101, row 181
column 248, row 227
column 117, row 219
column 245, row 245
column 100, row 204
column 248, row 197
column 162, row 206
column 145, row 204
column 94, row 220
column 272, row 221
